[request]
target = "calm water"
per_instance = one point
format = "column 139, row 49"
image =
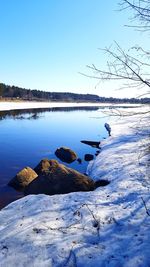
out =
column 28, row 136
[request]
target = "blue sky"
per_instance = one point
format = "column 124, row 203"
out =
column 46, row 43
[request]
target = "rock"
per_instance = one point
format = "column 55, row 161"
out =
column 59, row 179
column 42, row 166
column 65, row 154
column 101, row 183
column 88, row 157
column 97, row 153
column 23, row 178
column 91, row 143
column 108, row 128
column 79, row 160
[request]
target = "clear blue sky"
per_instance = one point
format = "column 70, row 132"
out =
column 46, row 43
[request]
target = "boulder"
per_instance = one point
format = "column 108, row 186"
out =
column 65, row 154
column 59, row 179
column 88, row 157
column 22, row 179
column 42, row 166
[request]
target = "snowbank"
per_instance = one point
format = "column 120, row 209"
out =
column 12, row 105
column 29, row 105
column 106, row 227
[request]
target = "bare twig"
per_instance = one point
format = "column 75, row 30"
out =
column 147, row 211
column 141, row 10
column 71, row 259
column 96, row 223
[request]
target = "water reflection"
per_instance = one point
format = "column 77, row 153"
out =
column 36, row 113
column 37, row 135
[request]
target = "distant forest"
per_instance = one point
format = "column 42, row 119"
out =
column 14, row 92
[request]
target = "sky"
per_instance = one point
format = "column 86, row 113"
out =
column 46, row 44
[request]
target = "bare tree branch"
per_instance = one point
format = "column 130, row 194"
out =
column 125, row 67
column 141, row 10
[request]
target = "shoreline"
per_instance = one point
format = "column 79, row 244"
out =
column 18, row 105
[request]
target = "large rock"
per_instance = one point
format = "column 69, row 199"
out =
column 65, row 154
column 59, row 179
column 23, row 178
column 42, row 166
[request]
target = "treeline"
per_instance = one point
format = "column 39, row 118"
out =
column 145, row 100
column 7, row 91
column 14, row 92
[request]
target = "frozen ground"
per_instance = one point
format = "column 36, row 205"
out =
column 107, row 227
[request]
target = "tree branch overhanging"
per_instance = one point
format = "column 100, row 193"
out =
column 125, row 67
column 141, row 10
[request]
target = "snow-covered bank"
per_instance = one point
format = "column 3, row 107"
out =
column 12, row 105
column 106, row 227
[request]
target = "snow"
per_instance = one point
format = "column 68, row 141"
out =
column 108, row 227
column 27, row 105
column 15, row 105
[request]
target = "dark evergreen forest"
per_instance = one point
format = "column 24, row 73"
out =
column 15, row 92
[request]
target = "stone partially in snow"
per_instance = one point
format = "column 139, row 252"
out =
column 88, row 157
column 59, row 179
column 108, row 128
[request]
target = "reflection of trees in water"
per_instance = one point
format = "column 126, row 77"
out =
column 34, row 114
column 19, row 115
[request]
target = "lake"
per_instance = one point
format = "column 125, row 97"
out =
column 27, row 136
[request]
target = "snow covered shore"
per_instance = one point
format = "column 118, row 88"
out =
column 106, row 227
column 14, row 105
column 30, row 105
